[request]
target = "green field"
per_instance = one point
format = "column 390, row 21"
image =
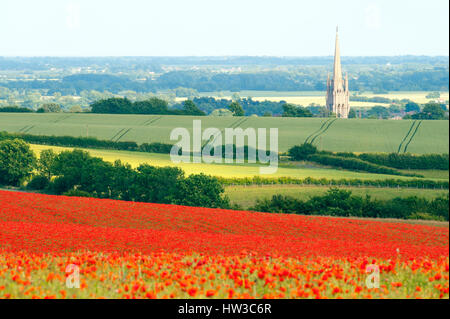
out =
column 246, row 196
column 227, row 170
column 342, row 135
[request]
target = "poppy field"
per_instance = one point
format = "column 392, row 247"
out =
column 140, row 250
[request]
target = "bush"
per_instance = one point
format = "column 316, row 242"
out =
column 38, row 182
column 77, row 193
column 338, row 202
column 15, row 109
column 301, row 153
column 355, row 164
column 393, row 160
column 410, row 183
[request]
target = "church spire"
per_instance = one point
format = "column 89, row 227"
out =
column 337, row 71
column 338, row 95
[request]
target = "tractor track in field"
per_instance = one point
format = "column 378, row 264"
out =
column 412, row 136
column 406, row 136
column 323, row 131
column 28, row 129
column 22, row 130
column 233, row 125
column 151, row 121
column 62, row 118
column 117, row 134
column 123, row 134
column 317, row 131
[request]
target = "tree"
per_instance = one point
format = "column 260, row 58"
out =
column 112, row 106
column 291, row 110
column 50, row 108
column 352, row 114
column 191, row 109
column 79, row 170
column 431, row 111
column 236, row 109
column 412, row 107
column 157, row 184
column 46, row 162
column 17, row 161
column 76, row 109
column 378, row 112
column 203, row 191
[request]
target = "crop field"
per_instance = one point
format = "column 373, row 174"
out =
column 246, row 196
column 69, row 247
column 334, row 135
column 224, row 170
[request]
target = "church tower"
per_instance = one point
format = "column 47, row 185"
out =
column 337, row 88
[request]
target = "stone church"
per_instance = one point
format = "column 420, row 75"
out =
column 337, row 88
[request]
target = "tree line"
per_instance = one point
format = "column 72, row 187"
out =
column 353, row 182
column 339, row 202
column 77, row 173
column 150, row 106
column 308, row 78
column 384, row 163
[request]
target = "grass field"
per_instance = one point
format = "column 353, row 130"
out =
column 246, row 196
column 222, row 170
column 342, row 135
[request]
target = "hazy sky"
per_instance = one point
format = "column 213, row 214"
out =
column 222, row 27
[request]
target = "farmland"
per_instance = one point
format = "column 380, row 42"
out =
column 229, row 170
column 340, row 135
column 305, row 98
column 246, row 196
column 138, row 250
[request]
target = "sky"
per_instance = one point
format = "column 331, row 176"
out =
column 223, row 27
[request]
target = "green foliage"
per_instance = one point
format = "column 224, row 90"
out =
column 149, row 106
column 77, row 173
column 192, row 109
column 203, row 191
column 301, row 152
column 45, row 163
column 157, row 185
column 38, row 182
column 388, row 160
column 354, row 164
column 89, row 142
column 17, row 161
column 50, row 108
column 77, row 193
column 431, row 111
column 290, row 110
column 15, row 109
column 236, row 109
column 412, row 107
column 406, row 160
column 405, row 183
column 338, row 202
column 351, row 114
